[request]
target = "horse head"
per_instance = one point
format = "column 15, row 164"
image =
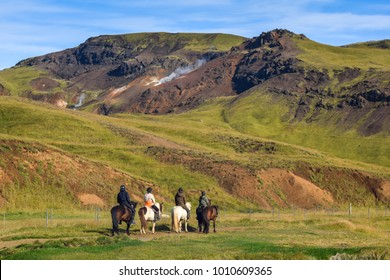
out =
column 160, row 206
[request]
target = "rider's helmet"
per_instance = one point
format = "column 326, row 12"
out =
column 123, row 187
column 180, row 190
column 149, row 190
column 203, row 193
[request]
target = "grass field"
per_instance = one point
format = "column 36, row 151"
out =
column 284, row 235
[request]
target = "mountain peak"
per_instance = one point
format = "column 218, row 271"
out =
column 271, row 38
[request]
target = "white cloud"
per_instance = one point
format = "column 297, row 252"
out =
column 41, row 25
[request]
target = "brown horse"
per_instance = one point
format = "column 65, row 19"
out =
column 120, row 213
column 207, row 214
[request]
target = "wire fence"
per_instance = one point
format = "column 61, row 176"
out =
column 98, row 215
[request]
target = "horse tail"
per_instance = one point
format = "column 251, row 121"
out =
column 141, row 214
column 175, row 222
column 216, row 210
column 115, row 226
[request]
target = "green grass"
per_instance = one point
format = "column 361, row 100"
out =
column 262, row 115
column 240, row 237
column 48, row 123
column 191, row 41
column 328, row 57
column 219, row 130
column 17, row 80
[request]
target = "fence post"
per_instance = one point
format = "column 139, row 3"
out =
column 350, row 210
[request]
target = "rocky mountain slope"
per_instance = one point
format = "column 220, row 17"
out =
column 160, row 73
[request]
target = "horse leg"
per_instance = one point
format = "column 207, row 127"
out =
column 153, row 227
column 180, row 226
column 127, row 228
column 207, row 226
column 185, row 225
column 214, row 224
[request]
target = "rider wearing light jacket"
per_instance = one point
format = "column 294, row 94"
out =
column 150, row 202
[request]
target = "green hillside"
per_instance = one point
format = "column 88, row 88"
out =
column 136, row 145
column 355, row 56
column 318, row 123
column 190, row 41
column 263, row 115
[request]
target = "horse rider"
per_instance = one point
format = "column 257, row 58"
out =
column 203, row 203
column 180, row 200
column 150, row 202
column 123, row 199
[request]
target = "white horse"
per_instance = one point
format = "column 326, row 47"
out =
column 179, row 215
column 147, row 214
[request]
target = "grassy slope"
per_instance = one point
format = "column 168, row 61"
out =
column 207, row 129
column 192, row 41
column 261, row 115
column 328, row 57
column 87, row 135
column 17, row 80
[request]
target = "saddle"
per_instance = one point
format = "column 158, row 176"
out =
column 156, row 216
column 156, row 212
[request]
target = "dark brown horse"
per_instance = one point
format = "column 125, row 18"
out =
column 121, row 214
column 205, row 215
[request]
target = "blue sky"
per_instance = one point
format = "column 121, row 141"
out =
column 34, row 27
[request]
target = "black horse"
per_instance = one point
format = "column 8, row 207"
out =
column 205, row 215
column 120, row 213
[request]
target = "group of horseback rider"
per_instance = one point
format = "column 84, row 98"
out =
column 123, row 199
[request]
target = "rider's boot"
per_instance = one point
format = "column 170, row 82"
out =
column 132, row 222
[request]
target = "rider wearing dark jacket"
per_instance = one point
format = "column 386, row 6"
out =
column 180, row 200
column 123, row 199
column 203, row 203
column 203, row 200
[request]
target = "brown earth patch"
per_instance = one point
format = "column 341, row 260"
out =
column 381, row 189
column 3, row 90
column 90, row 199
column 44, row 84
column 89, row 182
column 294, row 190
column 142, row 138
column 265, row 188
